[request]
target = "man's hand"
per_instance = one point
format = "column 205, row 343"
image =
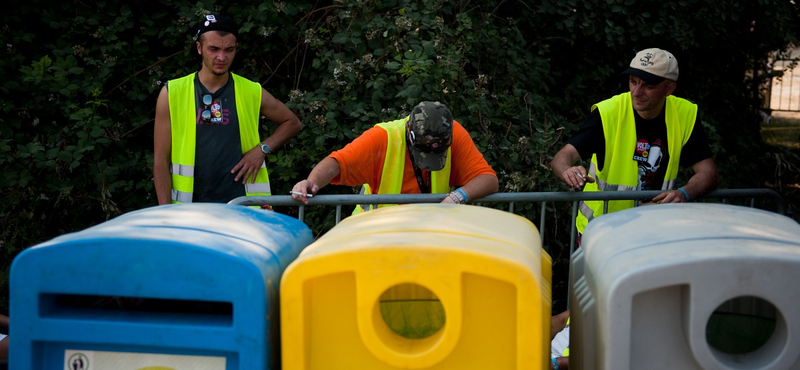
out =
column 563, row 363
column 248, row 166
column 576, row 177
column 563, row 169
column 671, row 196
column 304, row 187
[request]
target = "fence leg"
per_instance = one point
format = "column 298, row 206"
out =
column 574, row 229
column 541, row 221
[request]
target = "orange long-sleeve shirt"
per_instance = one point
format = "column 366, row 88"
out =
column 361, row 161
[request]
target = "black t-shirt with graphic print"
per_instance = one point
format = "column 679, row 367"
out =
column 651, row 149
column 218, row 145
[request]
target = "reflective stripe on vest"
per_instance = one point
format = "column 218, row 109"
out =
column 183, row 122
column 566, row 350
column 258, row 188
column 620, row 172
column 394, row 166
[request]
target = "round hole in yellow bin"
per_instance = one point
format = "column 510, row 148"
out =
column 412, row 311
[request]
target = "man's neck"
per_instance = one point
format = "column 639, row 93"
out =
column 211, row 81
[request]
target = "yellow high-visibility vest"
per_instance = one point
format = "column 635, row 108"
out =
column 620, row 172
column 394, row 166
column 183, row 121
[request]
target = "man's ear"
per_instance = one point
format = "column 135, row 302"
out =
column 671, row 87
column 199, row 47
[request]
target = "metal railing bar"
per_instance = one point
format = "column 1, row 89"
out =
column 544, row 197
column 354, row 199
column 339, row 200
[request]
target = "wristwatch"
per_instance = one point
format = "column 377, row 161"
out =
column 264, row 148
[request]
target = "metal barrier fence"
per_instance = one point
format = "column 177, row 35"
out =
column 339, row 200
column 784, row 92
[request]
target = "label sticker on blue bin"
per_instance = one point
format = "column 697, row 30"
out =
column 96, row 360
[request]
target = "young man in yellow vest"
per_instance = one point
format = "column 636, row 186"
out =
column 426, row 152
column 637, row 140
column 206, row 139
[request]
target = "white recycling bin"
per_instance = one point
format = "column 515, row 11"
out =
column 687, row 286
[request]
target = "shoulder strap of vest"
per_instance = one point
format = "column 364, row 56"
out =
column 183, row 116
column 685, row 113
column 394, row 161
column 248, row 110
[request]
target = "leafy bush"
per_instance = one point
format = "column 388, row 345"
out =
column 80, row 81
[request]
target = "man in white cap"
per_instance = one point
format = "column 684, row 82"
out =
column 637, row 141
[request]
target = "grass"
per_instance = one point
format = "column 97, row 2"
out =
column 782, row 131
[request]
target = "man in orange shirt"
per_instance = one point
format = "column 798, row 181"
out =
column 426, row 152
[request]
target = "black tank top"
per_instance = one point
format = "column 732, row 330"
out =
column 218, row 146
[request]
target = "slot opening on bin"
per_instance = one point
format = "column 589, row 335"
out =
column 412, row 311
column 409, row 320
column 746, row 329
column 136, row 309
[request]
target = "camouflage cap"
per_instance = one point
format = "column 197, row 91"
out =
column 430, row 127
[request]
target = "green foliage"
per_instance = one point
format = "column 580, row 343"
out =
column 80, row 79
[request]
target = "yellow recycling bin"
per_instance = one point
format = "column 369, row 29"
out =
column 425, row 286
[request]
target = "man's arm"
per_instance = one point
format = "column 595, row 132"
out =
column 288, row 127
column 288, row 123
column 469, row 169
column 321, row 175
column 705, row 179
column 563, row 169
column 162, row 149
column 479, row 187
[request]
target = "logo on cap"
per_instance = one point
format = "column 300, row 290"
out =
column 646, row 60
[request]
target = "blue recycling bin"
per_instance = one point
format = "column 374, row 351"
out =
column 185, row 286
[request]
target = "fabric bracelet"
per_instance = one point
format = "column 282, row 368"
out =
column 684, row 193
column 458, row 196
column 555, row 364
column 454, row 198
column 466, row 198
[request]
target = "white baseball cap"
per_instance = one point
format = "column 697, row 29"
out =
column 653, row 66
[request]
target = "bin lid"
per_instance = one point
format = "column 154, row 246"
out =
column 646, row 238
column 202, row 225
column 430, row 224
column 671, row 223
